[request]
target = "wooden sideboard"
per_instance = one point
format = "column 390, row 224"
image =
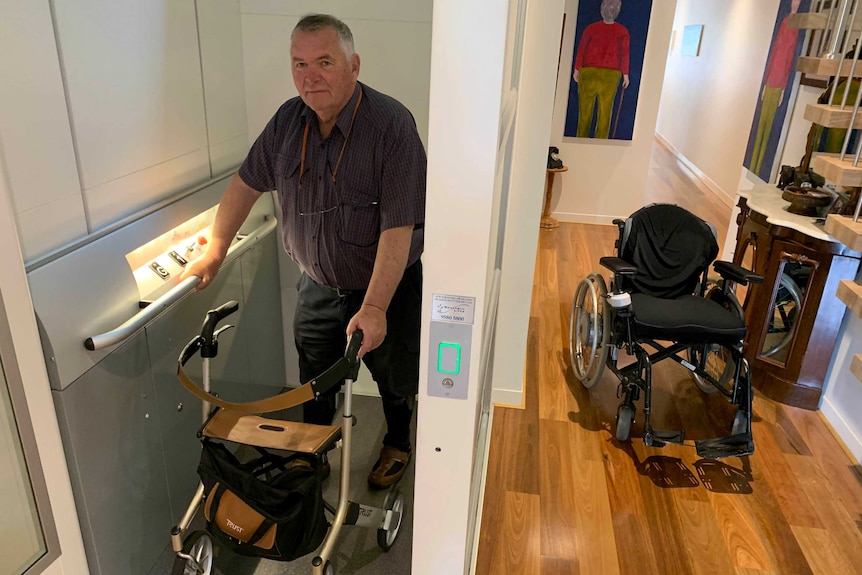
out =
column 793, row 318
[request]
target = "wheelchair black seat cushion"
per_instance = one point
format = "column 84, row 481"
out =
column 686, row 319
column 671, row 248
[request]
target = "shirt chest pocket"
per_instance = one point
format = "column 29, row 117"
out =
column 359, row 218
column 286, row 167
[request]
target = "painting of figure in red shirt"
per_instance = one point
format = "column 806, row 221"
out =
column 763, row 154
column 606, row 68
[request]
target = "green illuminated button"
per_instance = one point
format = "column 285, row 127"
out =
column 449, row 357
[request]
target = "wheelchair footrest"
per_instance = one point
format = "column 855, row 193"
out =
column 660, row 437
column 736, row 445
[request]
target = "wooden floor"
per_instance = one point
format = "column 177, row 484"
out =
column 563, row 497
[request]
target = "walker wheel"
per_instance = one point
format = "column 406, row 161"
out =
column 395, row 503
column 329, row 568
column 200, row 546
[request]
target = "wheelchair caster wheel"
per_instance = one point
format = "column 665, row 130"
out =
column 625, row 419
column 740, row 423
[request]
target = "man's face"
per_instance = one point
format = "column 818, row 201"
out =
column 324, row 77
column 610, row 9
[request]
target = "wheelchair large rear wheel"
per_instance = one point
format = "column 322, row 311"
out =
column 786, row 306
column 719, row 362
column 590, row 330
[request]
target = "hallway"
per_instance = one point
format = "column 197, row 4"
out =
column 563, row 497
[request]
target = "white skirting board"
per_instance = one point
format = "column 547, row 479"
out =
column 507, row 398
column 842, row 429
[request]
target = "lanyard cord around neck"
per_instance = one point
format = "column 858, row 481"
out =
column 344, row 145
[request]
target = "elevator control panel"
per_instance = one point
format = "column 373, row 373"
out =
column 450, row 342
column 157, row 264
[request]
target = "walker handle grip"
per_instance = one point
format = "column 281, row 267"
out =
column 209, row 345
column 353, row 346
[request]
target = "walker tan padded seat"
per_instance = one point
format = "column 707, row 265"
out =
column 239, row 427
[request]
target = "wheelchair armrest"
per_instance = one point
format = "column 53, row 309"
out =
column 736, row 273
column 618, row 266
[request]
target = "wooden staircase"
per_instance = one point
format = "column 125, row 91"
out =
column 831, row 166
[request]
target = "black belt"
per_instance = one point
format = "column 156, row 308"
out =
column 346, row 292
column 343, row 292
column 337, row 291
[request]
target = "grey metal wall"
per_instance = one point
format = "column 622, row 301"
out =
column 129, row 427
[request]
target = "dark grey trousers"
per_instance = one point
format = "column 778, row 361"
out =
column 320, row 321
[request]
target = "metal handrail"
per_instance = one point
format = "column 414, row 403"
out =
column 150, row 312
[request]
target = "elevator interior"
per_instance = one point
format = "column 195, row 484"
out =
column 128, row 427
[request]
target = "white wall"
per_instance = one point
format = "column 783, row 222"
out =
column 466, row 81
column 606, row 177
column 532, row 130
column 841, row 403
column 133, row 83
column 35, row 138
column 708, row 101
column 220, row 31
column 106, row 113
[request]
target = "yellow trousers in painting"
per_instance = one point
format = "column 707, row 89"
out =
column 771, row 101
column 596, row 85
column 834, row 141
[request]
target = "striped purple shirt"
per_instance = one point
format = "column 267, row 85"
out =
column 331, row 229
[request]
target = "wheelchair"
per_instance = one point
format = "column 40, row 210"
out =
column 661, row 297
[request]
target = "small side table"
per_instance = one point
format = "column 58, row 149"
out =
column 548, row 222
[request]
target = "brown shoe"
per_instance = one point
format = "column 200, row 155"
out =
column 389, row 468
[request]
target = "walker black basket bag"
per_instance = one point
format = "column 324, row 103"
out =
column 262, row 508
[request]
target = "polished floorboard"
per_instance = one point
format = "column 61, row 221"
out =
column 564, row 497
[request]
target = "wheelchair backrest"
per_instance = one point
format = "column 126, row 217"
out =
column 671, row 248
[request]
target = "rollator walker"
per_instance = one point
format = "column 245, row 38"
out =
column 660, row 297
column 283, row 450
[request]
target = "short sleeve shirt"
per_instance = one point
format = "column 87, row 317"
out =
column 334, row 211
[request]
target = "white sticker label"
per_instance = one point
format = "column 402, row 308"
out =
column 453, row 308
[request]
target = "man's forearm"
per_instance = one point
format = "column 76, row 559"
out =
column 393, row 249
column 232, row 211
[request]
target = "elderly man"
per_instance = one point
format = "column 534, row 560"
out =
column 349, row 169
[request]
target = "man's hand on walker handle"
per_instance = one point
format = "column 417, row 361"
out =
column 372, row 321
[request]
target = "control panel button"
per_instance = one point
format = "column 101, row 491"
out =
column 448, row 358
column 178, row 258
column 160, row 271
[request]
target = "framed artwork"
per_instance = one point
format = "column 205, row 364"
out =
column 776, row 95
column 691, row 36
column 610, row 40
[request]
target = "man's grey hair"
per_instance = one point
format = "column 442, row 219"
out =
column 315, row 22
